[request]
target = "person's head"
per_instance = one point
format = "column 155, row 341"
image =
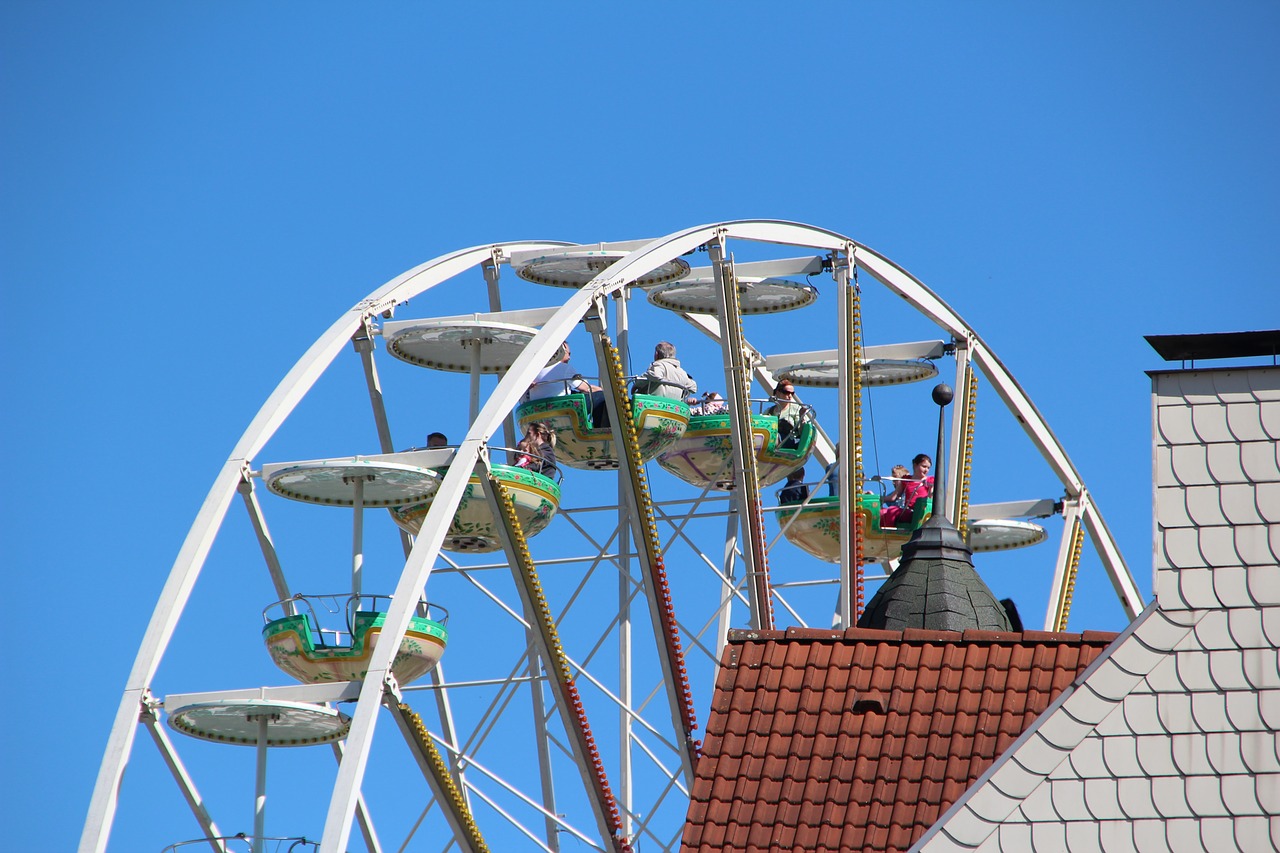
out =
column 437, row 439
column 899, row 471
column 664, row 349
column 564, row 351
column 785, row 390
column 921, row 464
column 541, row 431
column 796, row 476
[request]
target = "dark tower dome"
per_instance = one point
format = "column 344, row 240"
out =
column 936, row 587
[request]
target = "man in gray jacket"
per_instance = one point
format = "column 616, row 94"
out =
column 665, row 377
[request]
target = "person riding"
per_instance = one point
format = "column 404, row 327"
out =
column 898, row 476
column 832, row 477
column 918, row 486
column 537, row 449
column 789, row 413
column 437, row 439
column 713, row 404
column 795, row 490
column 560, row 379
column 665, row 377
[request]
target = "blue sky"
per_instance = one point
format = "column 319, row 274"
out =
column 193, row 192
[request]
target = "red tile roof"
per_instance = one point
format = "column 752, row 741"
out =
column 859, row 740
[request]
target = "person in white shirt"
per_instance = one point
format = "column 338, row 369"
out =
column 558, row 379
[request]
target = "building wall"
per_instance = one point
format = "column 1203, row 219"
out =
column 1172, row 739
column 1217, row 487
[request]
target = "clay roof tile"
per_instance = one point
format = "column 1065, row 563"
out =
column 859, row 740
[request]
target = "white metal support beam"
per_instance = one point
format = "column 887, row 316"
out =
column 1071, row 518
column 195, row 548
column 1017, row 401
column 746, row 491
column 180, row 775
column 454, row 816
column 959, row 424
column 371, row 842
column 635, row 508
column 245, row 488
column 547, row 644
column 847, row 486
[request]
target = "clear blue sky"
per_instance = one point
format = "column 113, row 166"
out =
column 190, row 193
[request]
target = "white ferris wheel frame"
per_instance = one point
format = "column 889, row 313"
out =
column 471, row 455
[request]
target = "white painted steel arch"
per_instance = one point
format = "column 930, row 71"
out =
column 471, row 455
column 195, row 548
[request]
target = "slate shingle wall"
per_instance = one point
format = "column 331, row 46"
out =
column 1217, row 488
column 1172, row 741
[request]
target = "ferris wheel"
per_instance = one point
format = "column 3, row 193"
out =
column 516, row 648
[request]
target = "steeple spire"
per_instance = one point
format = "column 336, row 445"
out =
column 936, row 586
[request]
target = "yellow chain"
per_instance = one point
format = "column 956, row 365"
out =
column 855, row 393
column 1069, row 579
column 441, row 772
column 652, row 542
column 569, row 691
column 542, row 610
column 966, row 466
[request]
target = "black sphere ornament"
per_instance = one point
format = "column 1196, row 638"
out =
column 942, row 394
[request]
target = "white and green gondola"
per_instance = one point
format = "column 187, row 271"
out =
column 301, row 646
column 660, row 422
column 473, row 529
column 702, row 456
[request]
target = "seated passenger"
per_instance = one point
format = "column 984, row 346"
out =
column 526, row 450
column 918, row 486
column 560, row 379
column 665, row 377
column 789, row 413
column 898, row 476
column 713, row 404
column 537, row 449
column 832, row 477
column 795, row 490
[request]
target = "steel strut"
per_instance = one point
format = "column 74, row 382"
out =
column 454, row 805
column 559, row 672
column 652, row 565
column 746, row 476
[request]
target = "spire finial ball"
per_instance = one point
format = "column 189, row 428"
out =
column 942, row 394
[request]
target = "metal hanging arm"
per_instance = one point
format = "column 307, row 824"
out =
column 644, row 528
column 560, row 674
column 195, row 802
column 849, row 372
column 466, row 833
column 746, row 482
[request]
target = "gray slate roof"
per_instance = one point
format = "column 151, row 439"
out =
column 935, row 587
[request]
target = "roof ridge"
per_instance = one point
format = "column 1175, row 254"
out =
column 915, row 636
